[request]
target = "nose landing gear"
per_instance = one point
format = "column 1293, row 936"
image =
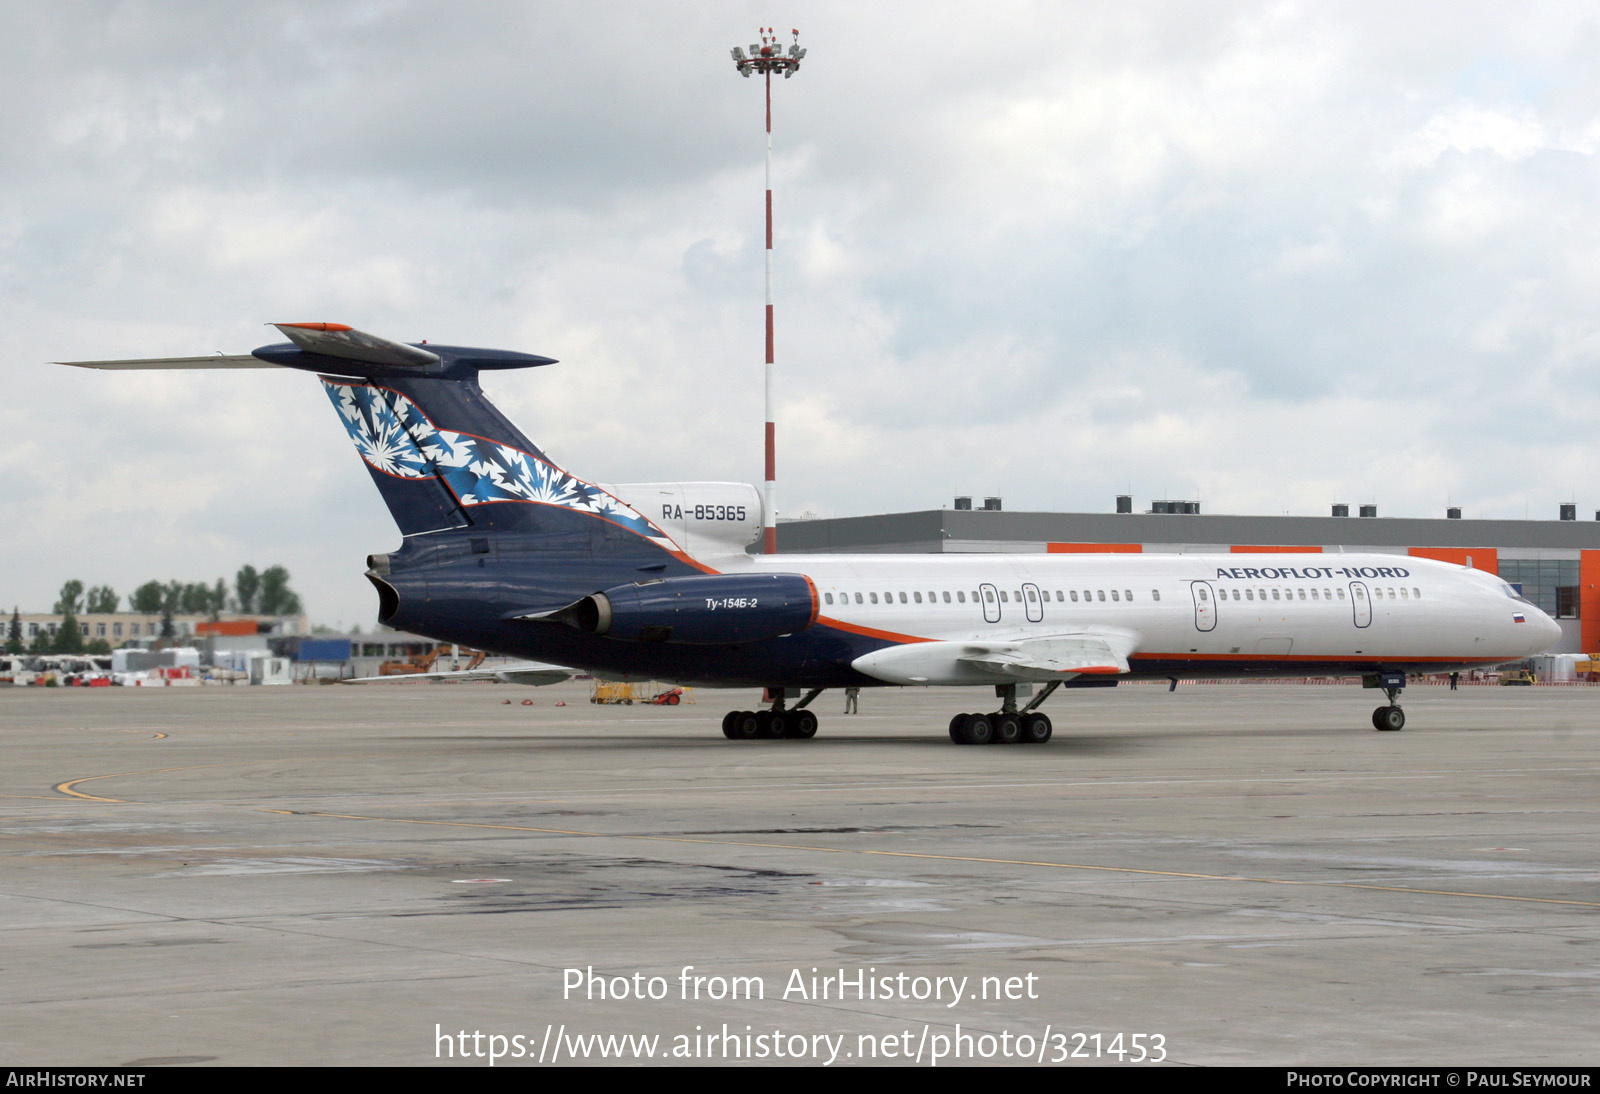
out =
column 1389, row 719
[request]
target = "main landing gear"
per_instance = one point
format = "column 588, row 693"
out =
column 751, row 725
column 1389, row 719
column 1008, row 725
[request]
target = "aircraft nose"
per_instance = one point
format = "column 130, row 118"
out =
column 1546, row 632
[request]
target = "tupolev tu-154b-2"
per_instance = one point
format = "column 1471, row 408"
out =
column 503, row 550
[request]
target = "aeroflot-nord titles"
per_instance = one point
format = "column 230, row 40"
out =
column 1250, row 573
column 502, row 550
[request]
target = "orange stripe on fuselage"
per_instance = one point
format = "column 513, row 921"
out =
column 869, row 632
column 1310, row 658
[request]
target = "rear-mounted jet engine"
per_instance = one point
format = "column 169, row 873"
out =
column 704, row 610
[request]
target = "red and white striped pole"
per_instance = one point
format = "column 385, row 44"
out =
column 766, row 58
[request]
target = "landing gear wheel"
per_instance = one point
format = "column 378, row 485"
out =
column 1036, row 729
column 747, row 725
column 803, row 724
column 729, row 725
column 775, row 724
column 1007, row 728
column 976, row 729
column 955, row 727
column 1389, row 719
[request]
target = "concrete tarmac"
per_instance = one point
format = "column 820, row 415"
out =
column 422, row 874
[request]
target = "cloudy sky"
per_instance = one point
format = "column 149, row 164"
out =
column 1266, row 255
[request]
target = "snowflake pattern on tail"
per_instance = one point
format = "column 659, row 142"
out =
column 395, row 437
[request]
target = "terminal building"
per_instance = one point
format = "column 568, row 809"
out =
column 1555, row 563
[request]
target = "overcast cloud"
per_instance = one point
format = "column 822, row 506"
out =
column 1270, row 256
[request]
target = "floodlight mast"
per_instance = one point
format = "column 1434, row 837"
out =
column 767, row 57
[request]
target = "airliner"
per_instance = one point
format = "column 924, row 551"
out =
column 503, row 550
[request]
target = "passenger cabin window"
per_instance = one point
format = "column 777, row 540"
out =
column 1341, row 594
column 1074, row 596
column 874, row 597
column 961, row 597
column 903, row 598
column 827, row 598
column 947, row 596
column 1102, row 593
column 1155, row 594
column 1127, row 594
column 1004, row 599
column 1114, row 595
column 858, row 598
column 1032, row 599
column 917, row 597
column 988, row 594
column 1417, row 593
column 1203, row 595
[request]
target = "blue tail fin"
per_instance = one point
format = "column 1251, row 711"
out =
column 443, row 457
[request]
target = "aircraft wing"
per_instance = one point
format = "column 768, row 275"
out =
column 532, row 673
column 1098, row 652
column 1045, row 659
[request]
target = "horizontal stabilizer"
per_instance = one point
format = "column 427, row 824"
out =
column 338, row 340
column 239, row 360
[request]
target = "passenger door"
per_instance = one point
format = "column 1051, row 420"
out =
column 1205, row 607
column 1360, row 604
column 991, row 603
column 1033, row 602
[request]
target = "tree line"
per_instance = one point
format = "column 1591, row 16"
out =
column 266, row 592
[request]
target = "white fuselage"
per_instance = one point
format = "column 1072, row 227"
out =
column 1184, row 615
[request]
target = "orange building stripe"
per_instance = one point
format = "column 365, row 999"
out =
column 1094, row 548
column 1486, row 559
column 1258, row 549
column 1589, row 599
